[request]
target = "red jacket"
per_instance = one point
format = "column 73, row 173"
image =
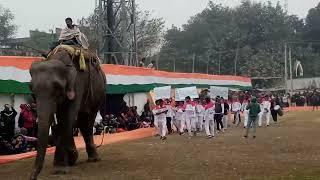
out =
column 27, row 118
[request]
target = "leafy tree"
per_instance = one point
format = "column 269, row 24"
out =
column 7, row 28
column 40, row 40
column 251, row 35
column 312, row 26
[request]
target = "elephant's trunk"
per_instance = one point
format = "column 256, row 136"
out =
column 45, row 110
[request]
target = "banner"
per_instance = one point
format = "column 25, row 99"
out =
column 182, row 93
column 162, row 92
column 219, row 91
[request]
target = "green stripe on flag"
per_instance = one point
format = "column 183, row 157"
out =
column 10, row 86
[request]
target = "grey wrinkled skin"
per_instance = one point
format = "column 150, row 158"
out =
column 51, row 81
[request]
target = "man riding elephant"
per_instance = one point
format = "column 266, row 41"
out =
column 70, row 35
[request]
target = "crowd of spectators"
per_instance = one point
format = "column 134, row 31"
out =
column 127, row 120
column 22, row 139
column 309, row 98
column 301, row 98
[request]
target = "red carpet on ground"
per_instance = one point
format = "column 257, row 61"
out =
column 111, row 138
column 108, row 139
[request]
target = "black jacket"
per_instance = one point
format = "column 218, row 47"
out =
column 7, row 122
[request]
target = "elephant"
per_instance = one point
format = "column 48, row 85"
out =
column 71, row 95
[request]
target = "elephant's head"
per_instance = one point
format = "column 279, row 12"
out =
column 51, row 82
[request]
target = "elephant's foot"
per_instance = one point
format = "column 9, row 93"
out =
column 34, row 175
column 73, row 157
column 60, row 170
column 92, row 154
column 93, row 159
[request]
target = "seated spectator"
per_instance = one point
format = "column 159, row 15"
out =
column 98, row 128
column 146, row 117
column 5, row 146
column 31, row 141
column 132, row 119
column 19, row 144
column 111, row 123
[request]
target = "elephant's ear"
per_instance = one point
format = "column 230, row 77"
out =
column 71, row 79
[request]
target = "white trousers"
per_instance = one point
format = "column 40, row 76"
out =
column 177, row 123
column 162, row 127
column 183, row 125
column 265, row 115
column 237, row 117
column 225, row 120
column 156, row 126
column 200, row 123
column 246, row 118
column 209, row 126
column 191, row 123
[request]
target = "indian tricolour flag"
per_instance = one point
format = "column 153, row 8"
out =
column 15, row 77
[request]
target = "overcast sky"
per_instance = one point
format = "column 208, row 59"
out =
column 48, row 14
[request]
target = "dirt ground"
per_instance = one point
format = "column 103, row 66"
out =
column 287, row 150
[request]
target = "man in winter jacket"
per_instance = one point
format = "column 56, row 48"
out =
column 7, row 122
column 254, row 110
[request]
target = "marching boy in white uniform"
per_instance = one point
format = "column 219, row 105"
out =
column 236, row 107
column 245, row 113
column 155, row 118
column 191, row 119
column 265, row 111
column 200, row 115
column 209, row 118
column 160, row 114
column 180, row 117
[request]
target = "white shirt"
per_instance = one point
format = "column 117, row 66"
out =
column 200, row 110
column 190, row 110
column 162, row 116
column 98, row 118
column 170, row 112
column 261, row 108
column 266, row 105
column 179, row 114
column 244, row 106
column 236, row 106
column 209, row 113
column 154, row 111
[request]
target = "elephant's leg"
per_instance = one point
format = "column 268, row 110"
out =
column 58, row 154
column 86, row 122
column 72, row 153
column 66, row 153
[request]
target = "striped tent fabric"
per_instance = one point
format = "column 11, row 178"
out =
column 15, row 77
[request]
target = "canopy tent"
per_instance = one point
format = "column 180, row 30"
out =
column 14, row 78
